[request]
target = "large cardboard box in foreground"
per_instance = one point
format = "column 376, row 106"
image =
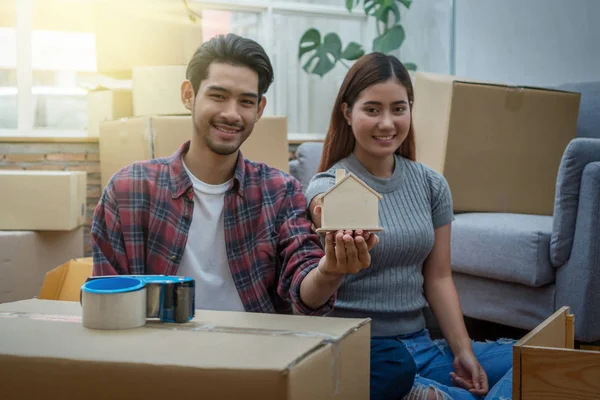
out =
column 128, row 140
column 42, row 200
column 217, row 356
column 498, row 146
column 26, row 257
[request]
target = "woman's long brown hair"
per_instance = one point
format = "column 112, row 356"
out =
column 368, row 70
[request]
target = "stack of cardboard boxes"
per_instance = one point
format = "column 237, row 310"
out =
column 42, row 214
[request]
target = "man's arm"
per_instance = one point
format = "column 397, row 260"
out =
column 300, row 252
column 108, row 248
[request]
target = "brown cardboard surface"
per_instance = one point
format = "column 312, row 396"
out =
column 42, row 200
column 26, row 256
column 268, row 143
column 257, row 356
column 86, row 260
column 64, row 282
column 157, row 90
column 124, row 30
column 498, row 146
column 129, row 140
column 123, row 142
column 107, row 105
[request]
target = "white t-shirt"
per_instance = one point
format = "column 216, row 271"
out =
column 205, row 256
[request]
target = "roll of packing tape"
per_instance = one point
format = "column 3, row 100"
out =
column 116, row 303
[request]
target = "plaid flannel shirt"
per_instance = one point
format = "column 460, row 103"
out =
column 142, row 220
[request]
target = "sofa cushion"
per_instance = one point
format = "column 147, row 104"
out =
column 308, row 157
column 507, row 247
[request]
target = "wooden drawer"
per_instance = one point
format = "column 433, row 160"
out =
column 546, row 365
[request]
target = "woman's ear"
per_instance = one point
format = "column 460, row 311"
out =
column 346, row 111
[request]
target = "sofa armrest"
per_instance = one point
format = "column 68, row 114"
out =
column 578, row 281
column 579, row 153
column 294, row 165
column 304, row 167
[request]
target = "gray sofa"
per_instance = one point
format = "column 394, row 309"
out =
column 517, row 270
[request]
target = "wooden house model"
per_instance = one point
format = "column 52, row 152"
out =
column 350, row 204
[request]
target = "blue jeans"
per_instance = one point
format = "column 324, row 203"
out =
column 393, row 369
column 434, row 362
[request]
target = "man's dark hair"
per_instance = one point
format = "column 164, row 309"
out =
column 234, row 50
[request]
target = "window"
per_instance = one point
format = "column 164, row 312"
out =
column 48, row 64
column 62, row 63
column 305, row 98
column 8, row 79
column 44, row 72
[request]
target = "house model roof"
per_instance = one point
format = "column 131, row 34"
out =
column 356, row 178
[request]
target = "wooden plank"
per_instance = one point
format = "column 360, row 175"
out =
column 570, row 332
column 550, row 333
column 589, row 347
column 516, row 387
column 559, row 374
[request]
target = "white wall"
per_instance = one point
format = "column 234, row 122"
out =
column 428, row 27
column 528, row 42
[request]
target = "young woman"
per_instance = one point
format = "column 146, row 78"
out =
column 371, row 134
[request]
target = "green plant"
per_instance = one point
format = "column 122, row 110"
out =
column 323, row 55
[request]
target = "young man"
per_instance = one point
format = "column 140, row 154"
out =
column 239, row 228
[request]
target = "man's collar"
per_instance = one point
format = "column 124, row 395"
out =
column 181, row 182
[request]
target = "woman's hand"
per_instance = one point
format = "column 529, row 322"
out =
column 469, row 374
column 347, row 252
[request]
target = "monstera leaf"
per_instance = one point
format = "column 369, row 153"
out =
column 353, row 51
column 381, row 10
column 391, row 39
column 324, row 54
column 351, row 3
column 410, row 66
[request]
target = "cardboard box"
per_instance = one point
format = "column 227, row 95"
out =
column 64, row 282
column 86, row 260
column 42, row 200
column 135, row 33
column 26, row 257
column 107, row 105
column 549, row 351
column 157, row 90
column 498, row 146
column 218, row 355
column 136, row 139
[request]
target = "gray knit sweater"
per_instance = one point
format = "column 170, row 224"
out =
column 416, row 200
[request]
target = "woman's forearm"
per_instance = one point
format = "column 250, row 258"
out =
column 445, row 305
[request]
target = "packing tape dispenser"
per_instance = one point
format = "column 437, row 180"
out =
column 128, row 301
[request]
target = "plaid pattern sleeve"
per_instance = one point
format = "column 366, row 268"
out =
column 107, row 241
column 300, row 250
